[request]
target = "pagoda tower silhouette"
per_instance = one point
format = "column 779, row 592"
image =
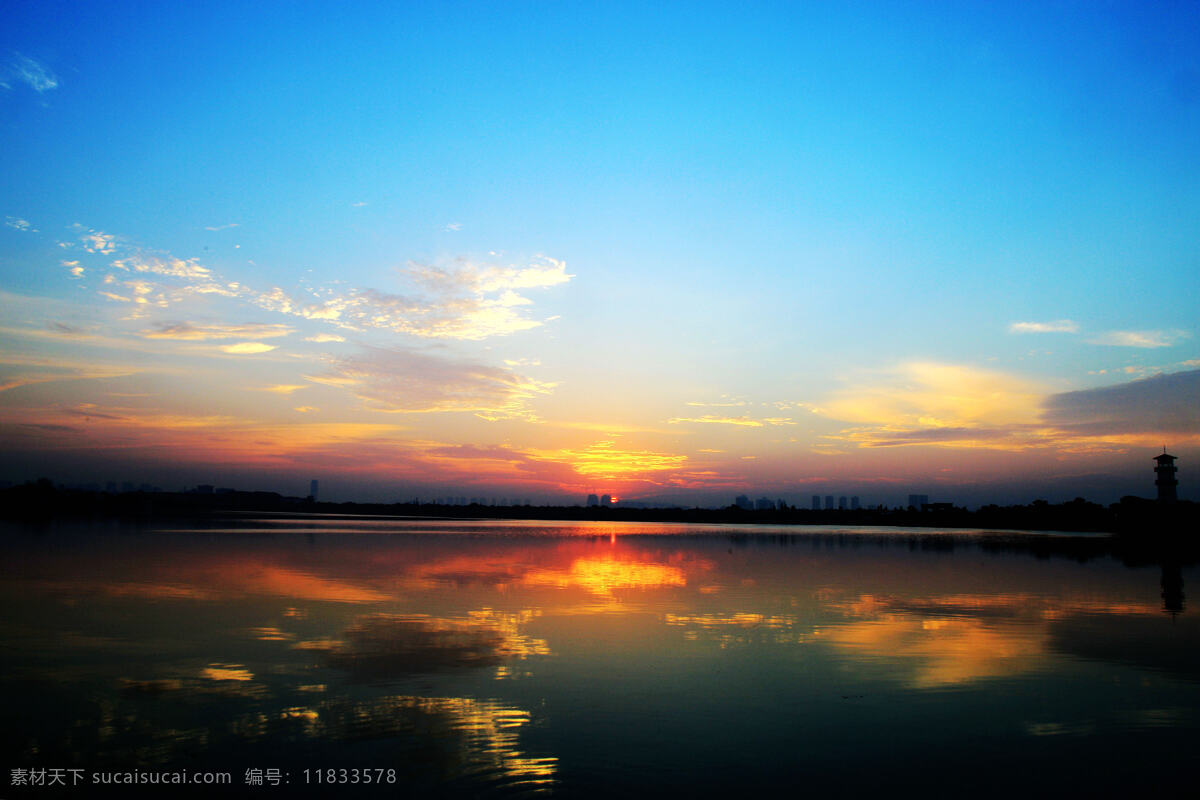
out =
column 1165, row 480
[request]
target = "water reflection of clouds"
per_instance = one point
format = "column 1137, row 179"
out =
column 942, row 641
column 227, row 672
column 221, row 582
column 270, row 633
column 387, row 646
column 215, row 679
column 945, row 640
column 993, row 605
column 942, row 652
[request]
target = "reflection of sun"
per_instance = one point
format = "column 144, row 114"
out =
column 481, row 634
column 605, row 574
column 495, row 728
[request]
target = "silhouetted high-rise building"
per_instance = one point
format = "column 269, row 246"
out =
column 854, row 503
column 593, row 500
column 312, row 489
column 816, row 505
column 842, row 503
column 918, row 501
column 764, row 504
column 606, row 499
column 829, row 502
column 1165, row 477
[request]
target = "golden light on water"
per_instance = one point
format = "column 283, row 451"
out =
column 227, row 672
column 943, row 652
column 604, row 575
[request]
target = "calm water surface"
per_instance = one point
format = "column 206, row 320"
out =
column 500, row 658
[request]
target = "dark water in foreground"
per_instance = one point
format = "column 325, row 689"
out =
column 500, row 658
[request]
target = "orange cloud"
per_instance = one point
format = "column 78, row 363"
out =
column 603, row 460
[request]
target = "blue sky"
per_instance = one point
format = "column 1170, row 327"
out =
column 810, row 206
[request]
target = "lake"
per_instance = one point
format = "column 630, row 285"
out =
column 407, row 657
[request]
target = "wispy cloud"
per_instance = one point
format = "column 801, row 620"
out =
column 31, row 72
column 719, row 404
column 743, row 421
column 19, row 224
column 248, row 348
column 1006, row 438
column 461, row 299
column 31, row 369
column 322, row 338
column 186, row 331
column 464, row 275
column 282, row 388
column 143, row 295
column 710, row 419
column 406, row 381
column 98, row 242
column 71, row 331
column 169, row 266
column 609, row 428
column 453, row 226
column 1057, row 326
column 1146, row 339
column 226, row 226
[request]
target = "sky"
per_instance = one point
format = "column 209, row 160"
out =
column 669, row 252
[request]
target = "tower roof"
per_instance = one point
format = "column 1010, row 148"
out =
column 1164, row 457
